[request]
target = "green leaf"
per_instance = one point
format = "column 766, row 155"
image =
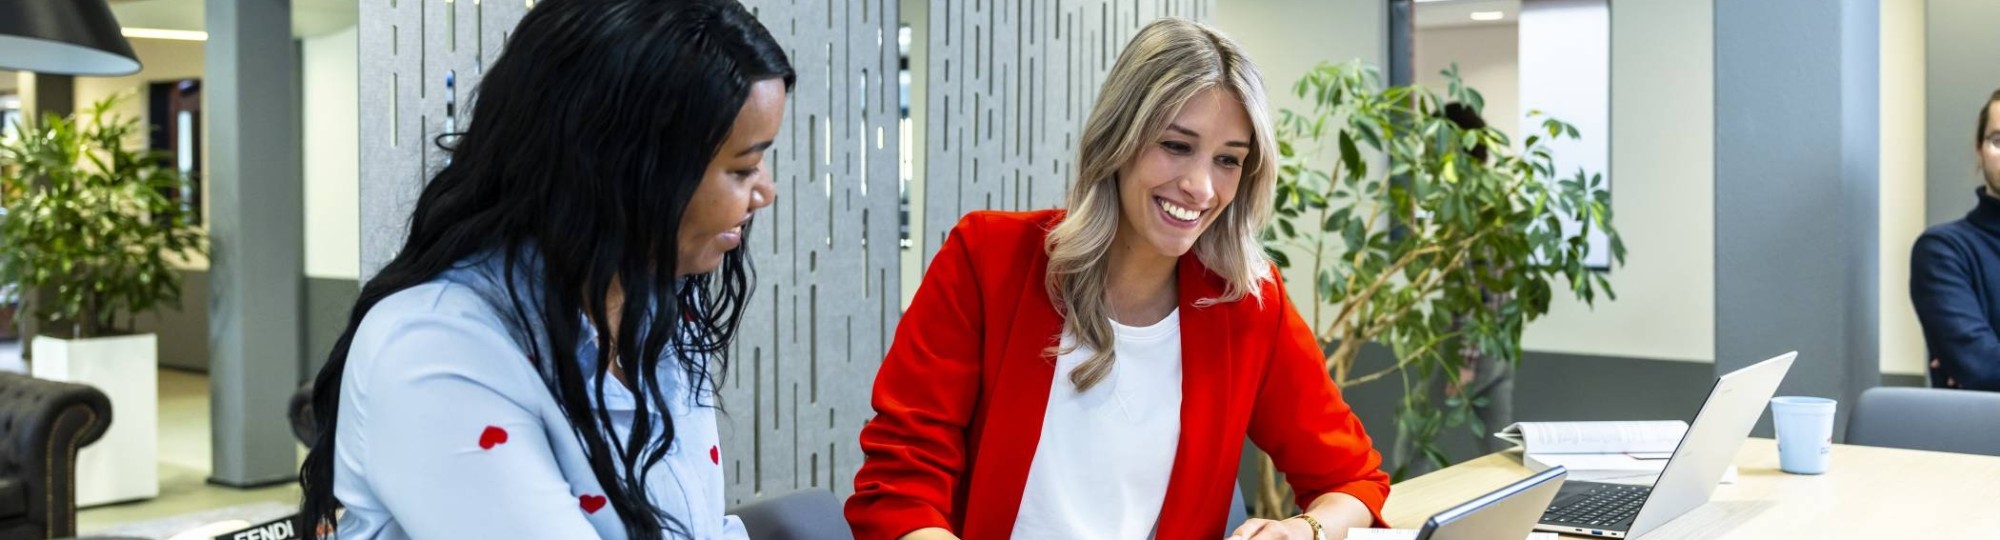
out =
column 1353, row 234
column 91, row 222
column 1432, row 197
column 1336, row 220
column 1278, row 257
column 1350, row 156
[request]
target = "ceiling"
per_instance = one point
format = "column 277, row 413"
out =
column 309, row 17
column 1457, row 13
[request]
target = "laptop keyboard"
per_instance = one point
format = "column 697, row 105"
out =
column 1604, row 505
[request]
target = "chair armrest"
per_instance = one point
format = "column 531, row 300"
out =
column 42, row 425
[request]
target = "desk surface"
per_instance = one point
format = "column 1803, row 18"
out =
column 1866, row 493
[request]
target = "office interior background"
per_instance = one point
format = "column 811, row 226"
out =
column 1770, row 162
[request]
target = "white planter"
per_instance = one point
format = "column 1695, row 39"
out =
column 124, row 465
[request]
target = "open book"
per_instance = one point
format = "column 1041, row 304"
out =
column 1655, row 437
column 1614, row 452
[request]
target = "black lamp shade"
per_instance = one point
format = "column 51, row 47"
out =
column 63, row 37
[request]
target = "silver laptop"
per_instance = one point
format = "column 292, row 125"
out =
column 1704, row 454
column 1507, row 513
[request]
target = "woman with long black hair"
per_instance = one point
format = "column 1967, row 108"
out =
column 539, row 360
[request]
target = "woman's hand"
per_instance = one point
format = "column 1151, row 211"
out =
column 1290, row 529
column 930, row 533
column 1335, row 511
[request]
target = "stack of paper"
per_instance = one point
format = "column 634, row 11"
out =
column 1614, row 452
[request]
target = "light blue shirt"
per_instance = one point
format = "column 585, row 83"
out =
column 448, row 430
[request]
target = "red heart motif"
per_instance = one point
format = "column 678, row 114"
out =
column 591, row 503
column 715, row 454
column 493, row 436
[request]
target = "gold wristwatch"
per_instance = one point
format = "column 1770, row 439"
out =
column 1318, row 533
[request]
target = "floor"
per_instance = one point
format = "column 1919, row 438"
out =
column 184, row 463
column 184, row 457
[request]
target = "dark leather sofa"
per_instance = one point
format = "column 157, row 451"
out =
column 42, row 425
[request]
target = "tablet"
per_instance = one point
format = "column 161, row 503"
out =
column 1508, row 513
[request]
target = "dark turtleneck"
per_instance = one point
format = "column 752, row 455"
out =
column 1955, row 284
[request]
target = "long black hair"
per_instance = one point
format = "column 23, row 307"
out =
column 587, row 140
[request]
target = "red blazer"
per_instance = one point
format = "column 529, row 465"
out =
column 960, row 397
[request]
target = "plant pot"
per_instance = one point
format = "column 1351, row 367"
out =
column 124, row 465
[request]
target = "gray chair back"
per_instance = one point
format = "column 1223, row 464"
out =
column 1238, row 511
column 809, row 514
column 1936, row 419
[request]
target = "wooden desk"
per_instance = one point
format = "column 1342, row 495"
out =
column 1867, row 493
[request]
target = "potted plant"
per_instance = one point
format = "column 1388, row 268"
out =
column 1448, row 251
column 90, row 239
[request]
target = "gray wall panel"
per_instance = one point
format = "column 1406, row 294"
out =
column 1010, row 86
column 391, row 155
column 796, row 393
column 1795, row 191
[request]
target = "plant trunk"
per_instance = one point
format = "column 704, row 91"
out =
column 1342, row 360
column 88, row 319
column 1273, row 496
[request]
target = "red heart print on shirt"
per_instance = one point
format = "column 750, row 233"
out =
column 591, row 503
column 715, row 454
column 493, row 436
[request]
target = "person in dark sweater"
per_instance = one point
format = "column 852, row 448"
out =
column 1955, row 278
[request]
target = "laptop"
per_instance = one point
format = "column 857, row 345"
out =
column 1697, row 465
column 1505, row 514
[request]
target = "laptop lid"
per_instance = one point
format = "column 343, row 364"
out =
column 1508, row 513
column 1711, row 442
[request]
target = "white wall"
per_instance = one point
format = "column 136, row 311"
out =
column 1662, row 160
column 1287, row 38
column 1566, row 74
column 162, row 60
column 329, row 66
column 1903, row 182
column 1663, row 163
column 331, row 155
column 1662, row 157
column 1488, row 59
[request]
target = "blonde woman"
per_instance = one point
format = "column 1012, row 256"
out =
column 1091, row 373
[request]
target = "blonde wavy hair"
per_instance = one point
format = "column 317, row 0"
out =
column 1164, row 66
